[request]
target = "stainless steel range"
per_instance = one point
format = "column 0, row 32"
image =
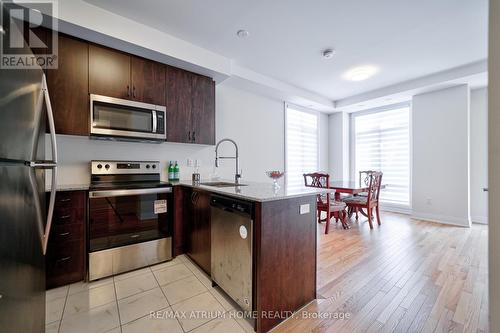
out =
column 130, row 217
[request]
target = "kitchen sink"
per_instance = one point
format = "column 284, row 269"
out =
column 222, row 184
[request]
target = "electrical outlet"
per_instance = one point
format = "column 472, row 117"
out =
column 189, row 162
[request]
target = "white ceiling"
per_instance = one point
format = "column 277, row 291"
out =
column 407, row 39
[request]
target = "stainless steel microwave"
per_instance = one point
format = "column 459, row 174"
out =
column 115, row 118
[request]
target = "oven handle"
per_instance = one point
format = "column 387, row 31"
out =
column 121, row 193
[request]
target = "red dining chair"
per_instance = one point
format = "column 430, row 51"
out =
column 370, row 201
column 325, row 204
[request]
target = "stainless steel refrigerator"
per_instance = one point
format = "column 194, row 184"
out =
column 24, row 220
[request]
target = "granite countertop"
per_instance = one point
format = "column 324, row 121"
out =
column 253, row 191
column 260, row 192
column 69, row 187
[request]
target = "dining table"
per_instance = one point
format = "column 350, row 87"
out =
column 350, row 187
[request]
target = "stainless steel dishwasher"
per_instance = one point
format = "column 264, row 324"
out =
column 231, row 242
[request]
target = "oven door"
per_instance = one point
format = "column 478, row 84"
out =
column 116, row 117
column 124, row 217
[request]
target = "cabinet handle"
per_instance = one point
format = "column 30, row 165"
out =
column 194, row 138
column 189, row 136
column 133, row 91
column 63, row 259
column 64, row 217
column 128, row 90
column 64, row 233
column 65, row 200
column 194, row 197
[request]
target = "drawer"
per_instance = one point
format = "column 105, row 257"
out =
column 70, row 199
column 65, row 263
column 69, row 216
column 66, row 232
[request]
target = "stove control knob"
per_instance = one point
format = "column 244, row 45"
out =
column 99, row 166
column 147, row 166
column 154, row 166
column 107, row 166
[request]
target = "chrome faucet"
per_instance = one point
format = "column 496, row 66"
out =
column 237, row 174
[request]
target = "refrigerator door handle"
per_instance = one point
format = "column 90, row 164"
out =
column 50, row 116
column 50, row 213
column 53, row 166
column 45, row 231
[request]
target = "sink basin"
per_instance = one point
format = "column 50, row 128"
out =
column 222, row 184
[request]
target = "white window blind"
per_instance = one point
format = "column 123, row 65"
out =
column 301, row 146
column 382, row 142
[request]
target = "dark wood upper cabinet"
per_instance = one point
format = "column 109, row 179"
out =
column 148, row 81
column 85, row 69
column 109, row 72
column 203, row 111
column 190, row 107
column 179, row 105
column 68, row 87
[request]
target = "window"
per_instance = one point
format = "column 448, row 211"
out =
column 382, row 142
column 301, row 145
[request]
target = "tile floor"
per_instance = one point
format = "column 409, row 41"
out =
column 124, row 303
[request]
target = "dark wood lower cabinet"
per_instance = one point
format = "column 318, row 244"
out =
column 284, row 250
column 65, row 260
column 196, row 226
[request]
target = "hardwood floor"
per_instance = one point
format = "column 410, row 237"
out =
column 404, row 276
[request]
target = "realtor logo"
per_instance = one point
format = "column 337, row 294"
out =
column 28, row 34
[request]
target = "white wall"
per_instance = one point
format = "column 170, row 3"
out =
column 338, row 143
column 494, row 165
column 479, row 155
column 256, row 123
column 440, row 166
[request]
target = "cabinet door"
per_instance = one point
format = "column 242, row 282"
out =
column 198, row 219
column 109, row 72
column 148, row 81
column 202, row 225
column 179, row 104
column 68, row 87
column 203, row 111
column 182, row 213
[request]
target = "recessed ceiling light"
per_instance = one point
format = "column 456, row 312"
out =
column 360, row 73
column 328, row 53
column 242, row 33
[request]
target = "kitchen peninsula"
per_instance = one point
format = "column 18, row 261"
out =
column 283, row 243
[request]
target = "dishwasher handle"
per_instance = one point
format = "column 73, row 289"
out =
column 232, row 205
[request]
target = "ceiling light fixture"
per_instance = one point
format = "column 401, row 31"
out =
column 328, row 53
column 242, row 33
column 360, row 73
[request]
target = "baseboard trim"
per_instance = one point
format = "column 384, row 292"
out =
column 394, row 209
column 443, row 219
column 479, row 219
